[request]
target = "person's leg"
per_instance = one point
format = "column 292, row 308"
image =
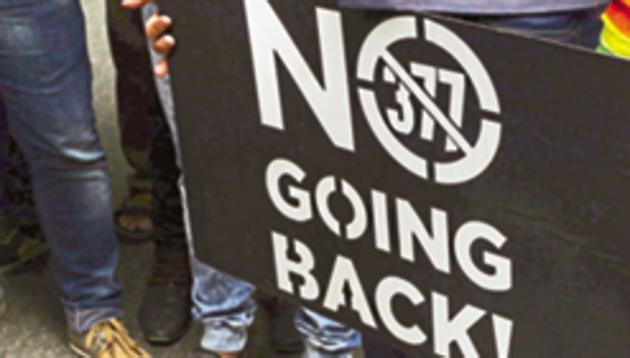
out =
column 135, row 90
column 579, row 28
column 224, row 305
column 46, row 83
column 137, row 106
column 165, row 311
column 45, row 80
column 326, row 338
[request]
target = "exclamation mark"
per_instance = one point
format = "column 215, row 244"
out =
column 503, row 333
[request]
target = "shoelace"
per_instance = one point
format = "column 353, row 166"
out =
column 170, row 265
column 110, row 337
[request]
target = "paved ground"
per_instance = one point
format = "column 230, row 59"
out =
column 34, row 324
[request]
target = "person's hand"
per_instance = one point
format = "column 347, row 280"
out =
column 155, row 28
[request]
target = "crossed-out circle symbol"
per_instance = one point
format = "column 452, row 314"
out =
column 477, row 157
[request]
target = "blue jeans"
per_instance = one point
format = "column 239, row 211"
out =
column 45, row 81
column 225, row 306
column 578, row 28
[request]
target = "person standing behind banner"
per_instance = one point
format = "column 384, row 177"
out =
column 138, row 109
column 573, row 22
column 615, row 38
column 164, row 312
column 225, row 304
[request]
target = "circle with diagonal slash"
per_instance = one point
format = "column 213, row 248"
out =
column 476, row 157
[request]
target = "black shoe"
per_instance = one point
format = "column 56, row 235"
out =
column 165, row 309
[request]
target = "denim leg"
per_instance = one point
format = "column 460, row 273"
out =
column 45, row 80
column 578, row 28
column 326, row 338
column 224, row 305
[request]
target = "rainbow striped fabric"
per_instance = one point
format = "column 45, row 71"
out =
column 616, row 34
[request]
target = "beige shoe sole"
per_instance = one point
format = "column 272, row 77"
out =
column 78, row 350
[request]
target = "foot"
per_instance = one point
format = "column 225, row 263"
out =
column 165, row 309
column 106, row 339
column 135, row 221
column 134, row 224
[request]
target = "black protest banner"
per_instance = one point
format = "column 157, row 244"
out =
column 452, row 189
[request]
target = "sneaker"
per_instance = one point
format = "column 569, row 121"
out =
column 18, row 246
column 106, row 339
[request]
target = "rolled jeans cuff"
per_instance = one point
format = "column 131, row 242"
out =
column 312, row 352
column 326, row 338
column 81, row 320
column 219, row 337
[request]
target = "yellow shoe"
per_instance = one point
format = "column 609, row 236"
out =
column 106, row 339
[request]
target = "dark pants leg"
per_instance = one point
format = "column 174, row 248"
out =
column 578, row 28
column 167, row 211
column 137, row 99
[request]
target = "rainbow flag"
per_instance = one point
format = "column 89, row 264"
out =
column 616, row 34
